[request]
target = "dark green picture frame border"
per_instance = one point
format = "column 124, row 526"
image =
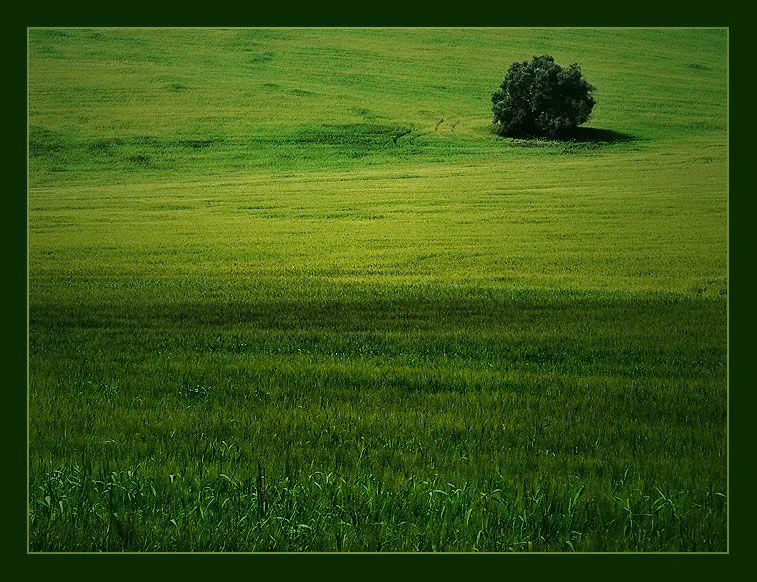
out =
column 450, row 566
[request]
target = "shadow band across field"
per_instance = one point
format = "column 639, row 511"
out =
column 648, row 335
column 377, row 314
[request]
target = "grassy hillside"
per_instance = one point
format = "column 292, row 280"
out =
column 288, row 291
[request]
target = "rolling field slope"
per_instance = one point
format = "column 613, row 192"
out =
column 289, row 292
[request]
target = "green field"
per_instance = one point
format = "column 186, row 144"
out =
column 288, row 291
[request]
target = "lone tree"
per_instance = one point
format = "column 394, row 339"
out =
column 541, row 99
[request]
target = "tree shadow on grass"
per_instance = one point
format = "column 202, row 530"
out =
column 597, row 135
column 591, row 137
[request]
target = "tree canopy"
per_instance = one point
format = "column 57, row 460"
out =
column 542, row 99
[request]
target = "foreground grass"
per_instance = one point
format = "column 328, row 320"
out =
column 461, row 422
column 288, row 292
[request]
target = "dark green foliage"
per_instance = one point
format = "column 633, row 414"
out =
column 541, row 98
